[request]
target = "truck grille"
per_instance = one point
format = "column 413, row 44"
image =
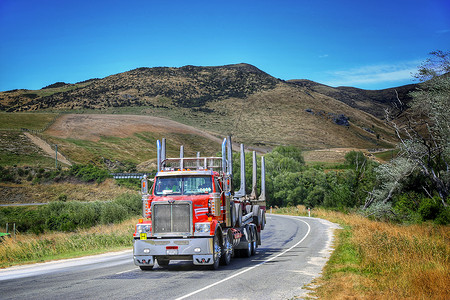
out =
column 172, row 218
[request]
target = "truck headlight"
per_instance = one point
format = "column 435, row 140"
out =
column 143, row 228
column 202, row 227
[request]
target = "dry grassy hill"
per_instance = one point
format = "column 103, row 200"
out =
column 241, row 100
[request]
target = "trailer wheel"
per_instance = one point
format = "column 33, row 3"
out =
column 146, row 268
column 217, row 250
column 227, row 250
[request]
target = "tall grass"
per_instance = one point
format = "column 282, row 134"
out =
column 378, row 260
column 30, row 248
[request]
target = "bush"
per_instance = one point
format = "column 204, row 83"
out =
column 68, row 216
column 429, row 209
column 89, row 173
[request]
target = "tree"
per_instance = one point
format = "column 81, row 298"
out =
column 424, row 134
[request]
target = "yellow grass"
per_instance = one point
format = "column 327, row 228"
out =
column 30, row 248
column 377, row 260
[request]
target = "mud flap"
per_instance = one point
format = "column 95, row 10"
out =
column 203, row 259
column 144, row 260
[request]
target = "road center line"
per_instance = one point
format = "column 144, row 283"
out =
column 250, row 268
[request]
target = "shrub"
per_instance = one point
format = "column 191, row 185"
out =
column 68, row 216
column 429, row 209
column 89, row 173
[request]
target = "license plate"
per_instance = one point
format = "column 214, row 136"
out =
column 143, row 236
column 172, row 251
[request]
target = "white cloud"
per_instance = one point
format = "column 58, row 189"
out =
column 373, row 74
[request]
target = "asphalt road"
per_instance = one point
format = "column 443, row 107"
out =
column 293, row 252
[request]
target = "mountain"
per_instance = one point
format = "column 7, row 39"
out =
column 239, row 99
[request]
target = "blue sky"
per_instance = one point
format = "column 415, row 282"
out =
column 365, row 44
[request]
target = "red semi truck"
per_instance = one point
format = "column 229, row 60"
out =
column 192, row 212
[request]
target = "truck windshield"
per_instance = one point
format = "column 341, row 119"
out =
column 188, row 185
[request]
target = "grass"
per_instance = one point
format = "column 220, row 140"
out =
column 137, row 148
column 17, row 149
column 43, row 193
column 29, row 248
column 34, row 121
column 377, row 260
column 387, row 155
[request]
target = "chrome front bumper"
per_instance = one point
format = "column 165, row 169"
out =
column 198, row 250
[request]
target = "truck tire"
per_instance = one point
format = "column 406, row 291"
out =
column 256, row 215
column 248, row 251
column 227, row 249
column 217, row 251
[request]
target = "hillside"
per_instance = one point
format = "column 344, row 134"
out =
column 241, row 100
column 373, row 102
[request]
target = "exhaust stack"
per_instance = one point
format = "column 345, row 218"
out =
column 262, row 197
column 254, row 178
column 242, row 192
column 158, row 154
column 163, row 153
column 181, row 157
column 230, row 156
column 224, row 156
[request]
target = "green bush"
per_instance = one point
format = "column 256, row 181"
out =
column 89, row 173
column 429, row 209
column 68, row 216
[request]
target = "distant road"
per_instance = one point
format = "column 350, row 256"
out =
column 293, row 252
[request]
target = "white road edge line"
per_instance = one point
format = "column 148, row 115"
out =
column 248, row 269
column 118, row 273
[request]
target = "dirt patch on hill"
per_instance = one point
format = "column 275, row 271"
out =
column 46, row 148
column 93, row 127
column 335, row 155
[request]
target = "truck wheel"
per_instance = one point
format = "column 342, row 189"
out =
column 163, row 262
column 217, row 250
column 227, row 250
column 248, row 251
column 146, row 268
